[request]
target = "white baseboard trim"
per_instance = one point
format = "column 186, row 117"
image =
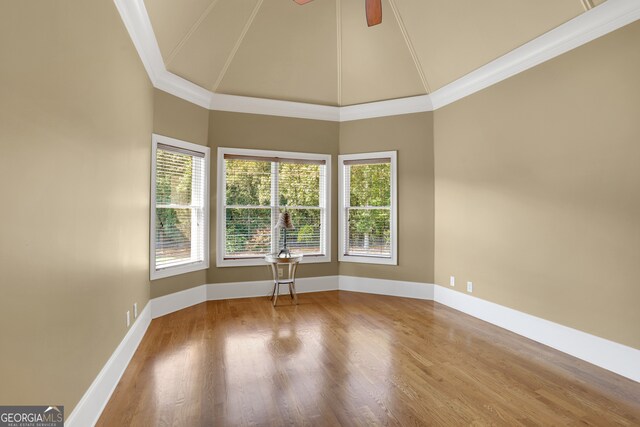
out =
column 88, row 410
column 598, row 351
column 394, row 288
column 219, row 291
column 177, row 301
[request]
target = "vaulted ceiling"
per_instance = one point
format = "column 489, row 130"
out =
column 324, row 53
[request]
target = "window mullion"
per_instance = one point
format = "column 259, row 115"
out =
column 322, row 201
column 223, row 230
column 274, row 206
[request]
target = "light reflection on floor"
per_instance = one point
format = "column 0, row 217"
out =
column 340, row 358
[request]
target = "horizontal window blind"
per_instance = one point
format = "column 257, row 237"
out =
column 301, row 189
column 257, row 190
column 275, row 159
column 367, row 161
column 367, row 207
column 248, row 189
column 181, row 150
column 179, row 207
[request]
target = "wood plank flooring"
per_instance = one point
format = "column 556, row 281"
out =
column 350, row 359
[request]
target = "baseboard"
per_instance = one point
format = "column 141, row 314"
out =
column 394, row 288
column 89, row 409
column 598, row 351
column 219, row 291
column 177, row 301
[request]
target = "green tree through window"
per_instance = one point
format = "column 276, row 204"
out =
column 179, row 207
column 257, row 190
column 368, row 208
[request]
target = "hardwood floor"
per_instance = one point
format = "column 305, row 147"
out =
column 342, row 358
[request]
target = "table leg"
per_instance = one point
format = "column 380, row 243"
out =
column 292, row 285
column 276, row 289
column 295, row 294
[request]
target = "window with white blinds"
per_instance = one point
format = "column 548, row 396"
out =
column 255, row 187
column 180, row 199
column 368, row 206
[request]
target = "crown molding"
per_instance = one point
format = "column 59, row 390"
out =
column 273, row 107
column 136, row 21
column 590, row 25
column 182, row 88
column 391, row 107
column 601, row 20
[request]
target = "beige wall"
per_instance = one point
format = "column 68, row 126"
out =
column 270, row 133
column 412, row 136
column 75, row 122
column 538, row 190
column 180, row 119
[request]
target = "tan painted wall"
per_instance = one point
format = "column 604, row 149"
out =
column 270, row 133
column 538, row 190
column 180, row 119
column 412, row 136
column 75, row 121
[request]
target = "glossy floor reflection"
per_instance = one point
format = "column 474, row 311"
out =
column 341, row 358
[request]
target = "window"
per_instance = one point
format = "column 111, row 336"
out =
column 179, row 207
column 254, row 188
column 368, row 208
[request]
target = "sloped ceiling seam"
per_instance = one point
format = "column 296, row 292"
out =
column 189, row 33
column 233, row 52
column 412, row 51
column 587, row 4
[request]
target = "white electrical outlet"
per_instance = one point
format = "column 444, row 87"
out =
column 280, row 271
column 128, row 318
column 452, row 281
column 135, row 310
column 469, row 286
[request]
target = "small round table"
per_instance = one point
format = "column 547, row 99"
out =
column 292, row 263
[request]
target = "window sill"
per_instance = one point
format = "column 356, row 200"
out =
column 368, row 260
column 178, row 269
column 249, row 262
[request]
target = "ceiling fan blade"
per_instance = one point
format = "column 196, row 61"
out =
column 302, row 1
column 374, row 12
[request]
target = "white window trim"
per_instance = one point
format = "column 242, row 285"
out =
column 184, row 268
column 393, row 260
column 220, row 217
